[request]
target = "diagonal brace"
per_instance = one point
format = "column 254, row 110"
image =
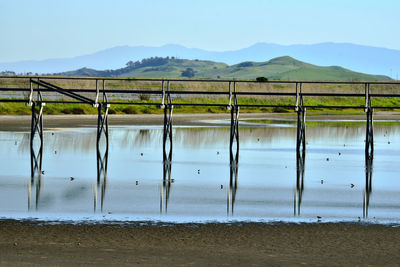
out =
column 66, row 92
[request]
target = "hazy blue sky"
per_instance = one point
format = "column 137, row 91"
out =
column 39, row 29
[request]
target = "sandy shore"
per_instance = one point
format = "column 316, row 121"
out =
column 22, row 122
column 248, row 244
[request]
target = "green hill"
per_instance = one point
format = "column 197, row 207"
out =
column 281, row 68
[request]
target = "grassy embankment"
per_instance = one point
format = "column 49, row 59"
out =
column 21, row 108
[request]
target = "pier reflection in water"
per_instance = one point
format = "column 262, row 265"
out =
column 34, row 190
column 368, row 186
column 101, row 186
column 300, row 177
column 167, row 155
column 300, row 168
column 233, row 186
column 131, row 174
column 165, row 186
column 36, row 149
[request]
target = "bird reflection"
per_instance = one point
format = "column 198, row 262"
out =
column 368, row 185
column 100, row 187
column 231, row 196
column 300, row 167
column 166, row 186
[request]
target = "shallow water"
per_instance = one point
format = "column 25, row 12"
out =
column 335, row 184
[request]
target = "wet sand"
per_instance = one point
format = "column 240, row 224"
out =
column 22, row 122
column 249, row 244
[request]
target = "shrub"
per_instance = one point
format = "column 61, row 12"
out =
column 78, row 110
column 145, row 97
column 245, row 64
column 189, row 73
column 47, row 110
column 129, row 110
column 147, row 111
column 66, row 111
column 280, row 110
column 261, row 79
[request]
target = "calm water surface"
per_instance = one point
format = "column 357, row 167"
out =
column 334, row 187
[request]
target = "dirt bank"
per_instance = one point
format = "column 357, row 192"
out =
column 248, row 244
column 22, row 122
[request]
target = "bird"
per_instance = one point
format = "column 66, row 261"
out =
column 137, row 182
column 340, row 153
column 327, row 159
column 71, row 178
column 351, row 185
column 222, row 186
column 198, row 171
column 42, row 172
column 322, row 181
column 319, row 218
column 141, row 154
column 217, row 152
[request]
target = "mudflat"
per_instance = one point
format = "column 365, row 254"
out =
column 22, row 122
column 246, row 244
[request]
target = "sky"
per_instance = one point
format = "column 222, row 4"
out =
column 42, row 29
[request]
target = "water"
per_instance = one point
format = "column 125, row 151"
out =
column 202, row 187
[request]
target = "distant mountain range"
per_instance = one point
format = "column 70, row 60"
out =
column 366, row 59
column 281, row 68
